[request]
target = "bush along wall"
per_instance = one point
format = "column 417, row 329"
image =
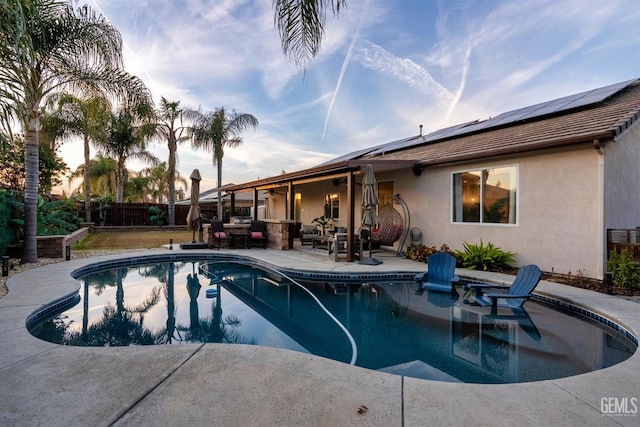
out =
column 8, row 204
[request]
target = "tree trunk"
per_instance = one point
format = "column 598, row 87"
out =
column 120, row 182
column 219, row 167
column 171, row 172
column 31, row 164
column 87, row 187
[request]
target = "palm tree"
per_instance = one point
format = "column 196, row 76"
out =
column 46, row 47
column 89, row 119
column 102, row 176
column 136, row 188
column 159, row 181
column 169, row 126
column 129, row 129
column 301, row 26
column 217, row 130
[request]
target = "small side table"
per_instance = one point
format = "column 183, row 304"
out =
column 318, row 241
column 240, row 240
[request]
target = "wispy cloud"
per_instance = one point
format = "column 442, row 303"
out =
column 384, row 68
column 376, row 58
column 343, row 69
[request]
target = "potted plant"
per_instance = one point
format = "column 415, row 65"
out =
column 322, row 221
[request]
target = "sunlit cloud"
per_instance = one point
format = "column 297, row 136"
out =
column 384, row 69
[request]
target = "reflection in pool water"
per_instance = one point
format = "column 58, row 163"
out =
column 396, row 327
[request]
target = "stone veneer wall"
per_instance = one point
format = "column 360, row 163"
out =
column 278, row 234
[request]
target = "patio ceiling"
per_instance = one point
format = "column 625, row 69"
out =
column 320, row 173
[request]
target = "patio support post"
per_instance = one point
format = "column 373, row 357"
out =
column 255, row 203
column 232, row 205
column 351, row 185
column 290, row 204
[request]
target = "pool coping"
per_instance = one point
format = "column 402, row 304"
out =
column 28, row 368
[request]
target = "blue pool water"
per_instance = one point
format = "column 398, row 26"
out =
column 387, row 325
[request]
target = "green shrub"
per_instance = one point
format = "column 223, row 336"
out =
column 624, row 271
column 484, row 257
column 7, row 228
column 157, row 216
column 53, row 218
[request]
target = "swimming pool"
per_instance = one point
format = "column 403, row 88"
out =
column 395, row 327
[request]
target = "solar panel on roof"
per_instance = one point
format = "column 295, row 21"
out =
column 526, row 113
column 395, row 145
column 538, row 110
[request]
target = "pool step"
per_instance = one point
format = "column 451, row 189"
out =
column 419, row 369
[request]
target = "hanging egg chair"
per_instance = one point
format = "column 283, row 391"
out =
column 390, row 226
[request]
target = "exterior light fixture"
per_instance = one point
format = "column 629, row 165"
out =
column 5, row 266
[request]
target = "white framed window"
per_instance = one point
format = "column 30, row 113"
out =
column 485, row 196
column 333, row 201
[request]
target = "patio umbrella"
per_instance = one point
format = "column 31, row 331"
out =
column 193, row 217
column 193, row 288
column 171, row 303
column 369, row 202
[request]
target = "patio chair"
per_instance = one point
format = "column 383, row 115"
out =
column 217, row 233
column 258, row 231
column 440, row 274
column 307, row 233
column 512, row 296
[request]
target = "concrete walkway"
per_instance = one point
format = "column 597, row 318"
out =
column 235, row 385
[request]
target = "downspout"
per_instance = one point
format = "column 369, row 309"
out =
column 602, row 256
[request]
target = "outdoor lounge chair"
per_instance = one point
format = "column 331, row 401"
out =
column 217, row 233
column 520, row 290
column 440, row 274
column 307, row 233
column 258, row 231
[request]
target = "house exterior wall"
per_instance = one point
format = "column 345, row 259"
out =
column 557, row 220
column 312, row 203
column 622, row 180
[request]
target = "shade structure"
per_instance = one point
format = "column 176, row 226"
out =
column 369, row 203
column 193, row 216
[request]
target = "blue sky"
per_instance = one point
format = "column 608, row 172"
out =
column 385, row 67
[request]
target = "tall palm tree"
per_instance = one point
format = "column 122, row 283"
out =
column 102, row 176
column 170, row 126
column 46, row 47
column 301, row 26
column 87, row 118
column 217, row 130
column 130, row 127
column 136, row 189
column 158, row 181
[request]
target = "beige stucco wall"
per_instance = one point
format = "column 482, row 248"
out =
column 560, row 204
column 622, row 180
column 557, row 225
column 312, row 202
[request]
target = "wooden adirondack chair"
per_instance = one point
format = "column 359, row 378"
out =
column 440, row 274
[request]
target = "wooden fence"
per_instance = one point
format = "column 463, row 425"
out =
column 136, row 214
column 624, row 239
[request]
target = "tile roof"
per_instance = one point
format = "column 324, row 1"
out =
column 603, row 121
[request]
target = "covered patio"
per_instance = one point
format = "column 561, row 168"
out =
column 298, row 198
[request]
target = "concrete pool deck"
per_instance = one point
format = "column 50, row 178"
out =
column 235, row 385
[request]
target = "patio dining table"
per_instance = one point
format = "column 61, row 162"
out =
column 239, row 234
